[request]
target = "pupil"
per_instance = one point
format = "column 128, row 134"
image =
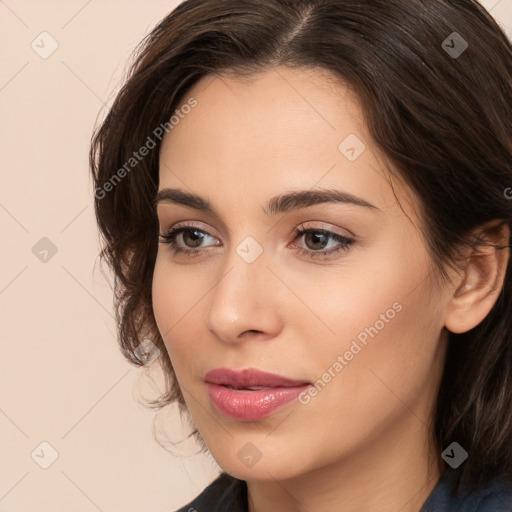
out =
column 316, row 237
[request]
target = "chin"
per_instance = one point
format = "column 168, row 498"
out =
column 263, row 470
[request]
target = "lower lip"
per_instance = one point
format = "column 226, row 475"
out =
column 252, row 405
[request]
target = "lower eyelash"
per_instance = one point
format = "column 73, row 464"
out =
column 344, row 242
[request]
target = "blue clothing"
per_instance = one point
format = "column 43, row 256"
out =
column 496, row 497
column 228, row 494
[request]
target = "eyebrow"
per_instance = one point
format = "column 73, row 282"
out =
column 278, row 204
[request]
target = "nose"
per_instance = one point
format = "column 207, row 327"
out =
column 244, row 303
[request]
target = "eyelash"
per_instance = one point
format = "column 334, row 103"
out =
column 344, row 242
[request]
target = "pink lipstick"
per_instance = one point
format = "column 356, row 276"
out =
column 250, row 394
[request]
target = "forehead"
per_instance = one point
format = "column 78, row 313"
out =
column 280, row 107
column 280, row 129
column 301, row 100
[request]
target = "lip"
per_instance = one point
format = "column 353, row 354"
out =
column 246, row 404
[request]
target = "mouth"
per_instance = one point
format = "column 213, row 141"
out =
column 251, row 395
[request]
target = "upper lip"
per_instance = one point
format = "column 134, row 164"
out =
column 250, row 377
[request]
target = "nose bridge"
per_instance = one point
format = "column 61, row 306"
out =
column 239, row 301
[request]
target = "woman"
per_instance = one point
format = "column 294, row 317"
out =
column 329, row 182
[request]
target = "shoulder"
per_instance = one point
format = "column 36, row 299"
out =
column 224, row 494
column 496, row 497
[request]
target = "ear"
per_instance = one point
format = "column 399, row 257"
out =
column 480, row 283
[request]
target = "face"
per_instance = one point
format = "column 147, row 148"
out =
column 335, row 291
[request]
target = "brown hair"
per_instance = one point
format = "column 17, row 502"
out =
column 440, row 111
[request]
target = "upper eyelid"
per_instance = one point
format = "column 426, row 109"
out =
column 189, row 226
column 162, row 209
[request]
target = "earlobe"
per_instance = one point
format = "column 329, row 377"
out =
column 481, row 280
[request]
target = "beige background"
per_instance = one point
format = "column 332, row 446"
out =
column 63, row 380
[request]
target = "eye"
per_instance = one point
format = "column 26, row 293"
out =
column 191, row 236
column 317, row 239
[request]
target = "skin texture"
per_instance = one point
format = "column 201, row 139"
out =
column 363, row 441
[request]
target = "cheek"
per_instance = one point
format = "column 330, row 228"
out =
column 176, row 295
column 388, row 370
column 384, row 351
column 377, row 293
